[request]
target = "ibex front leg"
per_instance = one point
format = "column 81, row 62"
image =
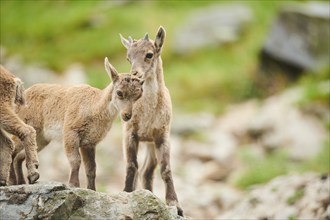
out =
column 27, row 135
column 17, row 176
column 131, row 146
column 163, row 155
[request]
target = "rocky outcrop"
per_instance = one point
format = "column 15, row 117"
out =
column 32, row 74
column 298, row 40
column 287, row 197
column 53, row 200
column 211, row 150
column 212, row 26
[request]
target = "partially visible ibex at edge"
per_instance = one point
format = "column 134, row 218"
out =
column 11, row 96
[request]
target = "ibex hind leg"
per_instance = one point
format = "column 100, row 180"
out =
column 18, row 161
column 71, row 146
column 6, row 148
column 148, row 168
column 163, row 156
column 88, row 156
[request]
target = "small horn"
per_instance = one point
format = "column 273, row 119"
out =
column 130, row 39
column 146, row 37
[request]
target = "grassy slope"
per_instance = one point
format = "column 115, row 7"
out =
column 259, row 170
column 57, row 34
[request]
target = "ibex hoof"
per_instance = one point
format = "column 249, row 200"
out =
column 180, row 211
column 3, row 183
column 33, row 177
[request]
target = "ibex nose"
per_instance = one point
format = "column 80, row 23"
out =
column 137, row 72
column 127, row 116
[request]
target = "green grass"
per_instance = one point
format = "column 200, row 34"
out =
column 316, row 88
column 298, row 194
column 58, row 33
column 259, row 169
column 262, row 168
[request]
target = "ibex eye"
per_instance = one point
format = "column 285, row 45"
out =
column 119, row 93
column 149, row 55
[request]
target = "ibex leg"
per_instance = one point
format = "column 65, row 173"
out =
column 88, row 155
column 163, row 155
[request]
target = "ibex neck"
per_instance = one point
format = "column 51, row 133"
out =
column 154, row 85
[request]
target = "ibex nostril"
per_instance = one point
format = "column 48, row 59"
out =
column 127, row 116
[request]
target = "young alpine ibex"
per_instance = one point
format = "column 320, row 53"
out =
column 11, row 94
column 80, row 115
column 151, row 120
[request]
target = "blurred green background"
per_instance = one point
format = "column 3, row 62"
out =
column 58, row 33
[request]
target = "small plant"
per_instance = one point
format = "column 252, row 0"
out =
column 298, row 194
column 261, row 169
column 292, row 217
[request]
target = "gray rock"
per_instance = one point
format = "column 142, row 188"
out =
column 53, row 200
column 299, row 37
column 190, row 124
column 286, row 197
column 212, row 26
column 30, row 74
column 75, row 74
column 279, row 123
column 35, row 73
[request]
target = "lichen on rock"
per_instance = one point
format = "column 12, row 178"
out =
column 52, row 200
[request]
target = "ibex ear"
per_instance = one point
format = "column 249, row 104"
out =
column 146, row 37
column 125, row 42
column 160, row 39
column 141, row 82
column 19, row 97
column 112, row 72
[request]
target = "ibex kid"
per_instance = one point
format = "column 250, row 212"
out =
column 151, row 120
column 80, row 115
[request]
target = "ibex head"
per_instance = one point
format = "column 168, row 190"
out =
column 143, row 54
column 126, row 90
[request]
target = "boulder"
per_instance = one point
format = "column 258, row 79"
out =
column 212, row 26
column 51, row 200
column 286, row 197
column 279, row 123
column 36, row 73
column 298, row 40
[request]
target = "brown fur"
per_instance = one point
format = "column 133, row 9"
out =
column 79, row 115
column 11, row 94
column 151, row 120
